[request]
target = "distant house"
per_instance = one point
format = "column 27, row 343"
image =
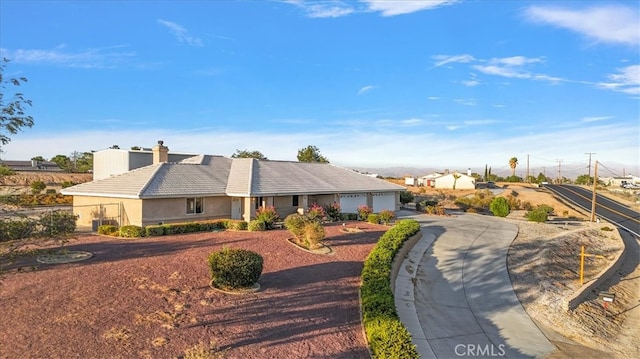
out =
column 619, row 181
column 459, row 180
column 32, row 165
column 410, row 181
column 429, row 180
column 114, row 161
column 207, row 187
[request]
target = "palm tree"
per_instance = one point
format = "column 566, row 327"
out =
column 513, row 162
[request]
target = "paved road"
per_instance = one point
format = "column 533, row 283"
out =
column 454, row 295
column 613, row 211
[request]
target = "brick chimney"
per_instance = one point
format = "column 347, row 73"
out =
column 160, row 153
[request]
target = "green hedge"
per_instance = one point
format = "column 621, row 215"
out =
column 235, row 268
column 387, row 337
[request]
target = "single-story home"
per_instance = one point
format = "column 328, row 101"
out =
column 208, row 187
column 32, row 165
column 455, row 181
column 429, row 180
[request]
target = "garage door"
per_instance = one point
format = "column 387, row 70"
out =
column 349, row 203
column 382, row 201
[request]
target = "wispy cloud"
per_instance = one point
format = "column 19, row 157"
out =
column 400, row 7
column 181, row 33
column 323, row 9
column 366, row 89
column 627, row 80
column 595, row 119
column 480, row 122
column 60, row 56
column 466, row 101
column 412, row 122
column 474, row 81
column 607, row 24
column 326, row 10
column 442, row 60
column 337, row 8
column 433, row 98
column 515, row 67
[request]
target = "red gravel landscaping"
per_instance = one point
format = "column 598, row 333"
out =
column 151, row 298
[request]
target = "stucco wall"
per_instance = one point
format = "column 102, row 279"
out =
column 172, row 210
column 117, row 211
column 464, row 182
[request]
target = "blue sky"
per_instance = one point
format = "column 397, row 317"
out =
column 373, row 84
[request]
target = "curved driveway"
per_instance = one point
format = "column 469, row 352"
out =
column 454, row 295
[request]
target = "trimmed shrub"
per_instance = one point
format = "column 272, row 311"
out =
column 390, row 339
column 307, row 232
column 364, row 211
column 333, row 212
column 257, row 225
column 386, row 216
column 499, row 207
column 154, row 230
column 131, row 231
column 235, row 268
column 294, row 223
column 107, row 229
column 387, row 337
column 373, row 218
column 313, row 235
column 537, row 215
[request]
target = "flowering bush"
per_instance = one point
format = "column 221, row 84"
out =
column 386, row 216
column 267, row 215
column 333, row 211
column 316, row 213
column 364, row 211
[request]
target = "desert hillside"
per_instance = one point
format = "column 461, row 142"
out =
column 20, row 181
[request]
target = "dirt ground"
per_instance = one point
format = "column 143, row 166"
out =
column 151, row 298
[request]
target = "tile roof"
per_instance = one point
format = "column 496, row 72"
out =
column 206, row 175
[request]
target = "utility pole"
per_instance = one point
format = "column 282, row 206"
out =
column 559, row 171
column 590, row 153
column 593, row 198
column 528, row 181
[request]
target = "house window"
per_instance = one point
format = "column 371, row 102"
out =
column 295, row 201
column 195, row 205
column 259, row 202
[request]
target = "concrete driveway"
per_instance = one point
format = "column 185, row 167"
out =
column 454, row 295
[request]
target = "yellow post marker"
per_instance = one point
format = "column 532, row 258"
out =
column 582, row 255
column 582, row 266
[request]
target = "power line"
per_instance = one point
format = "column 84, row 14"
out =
column 589, row 153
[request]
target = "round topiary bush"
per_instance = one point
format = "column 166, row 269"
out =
column 499, row 207
column 233, row 268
